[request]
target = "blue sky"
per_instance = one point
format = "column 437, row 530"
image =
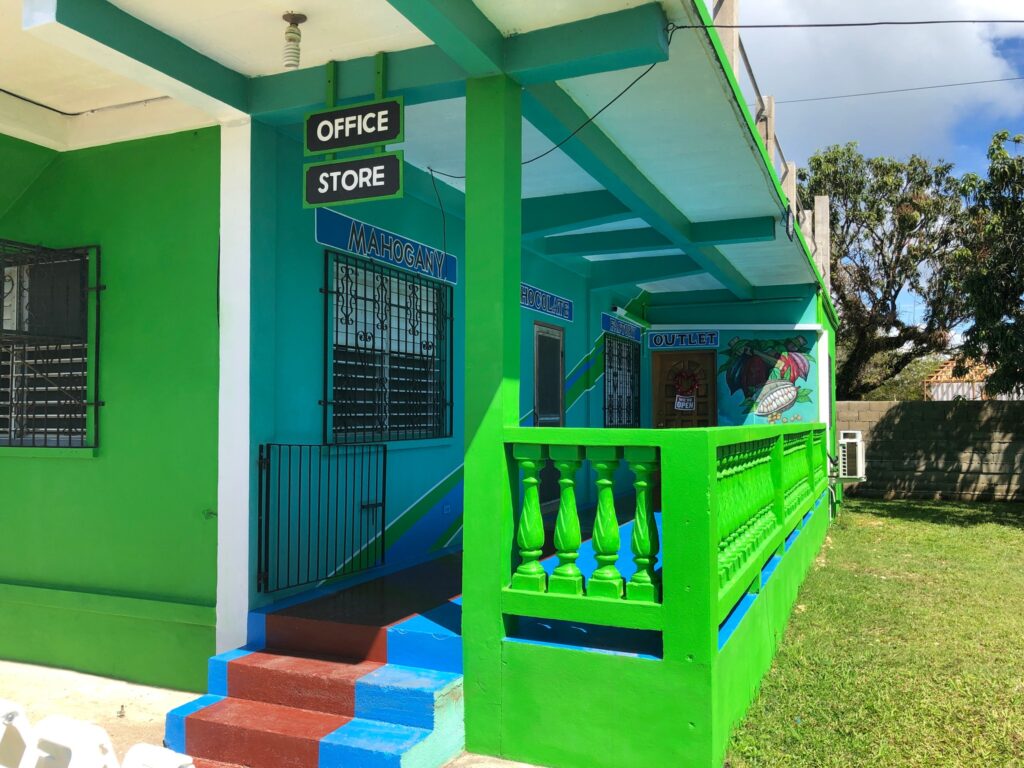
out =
column 954, row 124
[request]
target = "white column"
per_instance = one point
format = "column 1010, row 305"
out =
column 727, row 13
column 234, row 461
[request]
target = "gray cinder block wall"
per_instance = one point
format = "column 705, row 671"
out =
column 940, row 450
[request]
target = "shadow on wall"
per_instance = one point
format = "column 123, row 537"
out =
column 961, row 450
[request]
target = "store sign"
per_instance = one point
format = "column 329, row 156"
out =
column 357, row 125
column 661, row 340
column 619, row 327
column 686, row 403
column 343, row 233
column 348, row 181
column 544, row 302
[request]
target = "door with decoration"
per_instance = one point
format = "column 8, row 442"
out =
column 684, row 389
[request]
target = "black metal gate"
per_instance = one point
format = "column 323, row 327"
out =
column 621, row 382
column 321, row 512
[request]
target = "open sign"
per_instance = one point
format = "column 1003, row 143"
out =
column 357, row 125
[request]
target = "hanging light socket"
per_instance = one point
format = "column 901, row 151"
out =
column 292, row 39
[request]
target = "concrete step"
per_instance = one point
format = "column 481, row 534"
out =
column 373, row 744
column 318, row 685
column 198, row 762
column 422, row 698
column 259, row 735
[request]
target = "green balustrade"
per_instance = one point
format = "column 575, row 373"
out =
column 530, row 575
column 567, row 578
column 606, row 580
column 644, row 543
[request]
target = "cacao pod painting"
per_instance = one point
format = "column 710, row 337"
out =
column 768, row 372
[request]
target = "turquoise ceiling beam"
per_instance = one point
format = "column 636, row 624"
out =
column 632, row 38
column 419, row 74
column 556, row 115
column 734, row 231
column 601, row 243
column 609, row 274
column 105, row 23
column 619, row 40
column 557, row 214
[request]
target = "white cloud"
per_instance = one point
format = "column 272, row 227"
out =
column 800, row 63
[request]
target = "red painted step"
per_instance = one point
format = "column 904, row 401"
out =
column 321, row 685
column 198, row 762
column 259, row 735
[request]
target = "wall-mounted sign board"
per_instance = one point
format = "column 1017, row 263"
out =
column 334, row 182
column 659, row 340
column 619, row 327
column 544, row 302
column 356, row 125
column 343, row 233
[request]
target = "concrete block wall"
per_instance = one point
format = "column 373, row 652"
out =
column 940, row 450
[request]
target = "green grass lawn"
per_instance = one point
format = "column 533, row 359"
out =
column 906, row 646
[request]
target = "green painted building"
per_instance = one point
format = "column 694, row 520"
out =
column 527, row 419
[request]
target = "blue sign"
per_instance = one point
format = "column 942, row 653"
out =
column 547, row 303
column 336, row 230
column 618, row 326
column 682, row 339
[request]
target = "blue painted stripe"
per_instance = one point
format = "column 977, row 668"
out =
column 769, row 568
column 217, row 670
column 256, row 629
column 174, row 730
column 585, row 366
column 402, row 695
column 585, row 649
column 792, row 537
column 369, row 744
column 732, row 621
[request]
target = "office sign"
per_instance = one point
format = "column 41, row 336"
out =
column 377, row 177
column 544, row 302
column 618, row 326
column 357, row 125
column 663, row 340
column 343, row 233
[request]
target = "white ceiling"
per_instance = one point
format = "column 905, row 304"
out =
column 435, row 137
column 50, row 75
column 248, row 35
column 513, row 17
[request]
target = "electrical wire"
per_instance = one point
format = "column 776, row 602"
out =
column 27, row 100
column 440, row 204
column 901, row 90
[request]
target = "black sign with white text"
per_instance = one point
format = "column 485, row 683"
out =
column 357, row 125
column 346, row 181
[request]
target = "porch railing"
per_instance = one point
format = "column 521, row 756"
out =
column 729, row 498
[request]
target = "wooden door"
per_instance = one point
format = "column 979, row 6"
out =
column 684, row 385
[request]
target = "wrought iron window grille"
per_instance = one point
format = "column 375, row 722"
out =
column 389, row 373
column 49, row 346
column 621, row 382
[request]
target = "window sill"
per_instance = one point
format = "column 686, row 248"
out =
column 417, row 444
column 28, row 452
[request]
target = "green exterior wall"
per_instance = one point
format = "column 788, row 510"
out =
column 108, row 557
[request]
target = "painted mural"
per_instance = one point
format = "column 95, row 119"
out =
column 771, row 378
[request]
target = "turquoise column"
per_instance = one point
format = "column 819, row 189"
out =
column 492, row 275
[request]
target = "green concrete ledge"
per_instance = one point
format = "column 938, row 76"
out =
column 12, row 452
column 112, row 605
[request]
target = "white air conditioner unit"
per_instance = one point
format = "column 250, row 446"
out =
column 852, row 467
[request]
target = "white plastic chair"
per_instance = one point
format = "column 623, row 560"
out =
column 67, row 743
column 149, row 756
column 17, row 737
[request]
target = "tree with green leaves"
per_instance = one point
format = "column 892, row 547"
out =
column 895, row 229
column 993, row 265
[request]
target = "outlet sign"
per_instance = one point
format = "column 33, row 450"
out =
column 682, row 340
column 335, row 182
column 357, row 125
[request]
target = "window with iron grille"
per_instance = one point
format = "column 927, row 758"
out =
column 49, row 330
column 621, row 382
column 390, row 336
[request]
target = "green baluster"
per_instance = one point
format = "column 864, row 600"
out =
column 645, row 544
column 606, row 580
column 567, row 578
column 530, row 575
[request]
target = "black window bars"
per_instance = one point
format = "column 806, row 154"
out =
column 621, row 382
column 49, row 346
column 389, row 372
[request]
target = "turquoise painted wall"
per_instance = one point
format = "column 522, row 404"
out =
column 108, row 558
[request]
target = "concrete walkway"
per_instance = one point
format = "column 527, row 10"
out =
column 130, row 713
